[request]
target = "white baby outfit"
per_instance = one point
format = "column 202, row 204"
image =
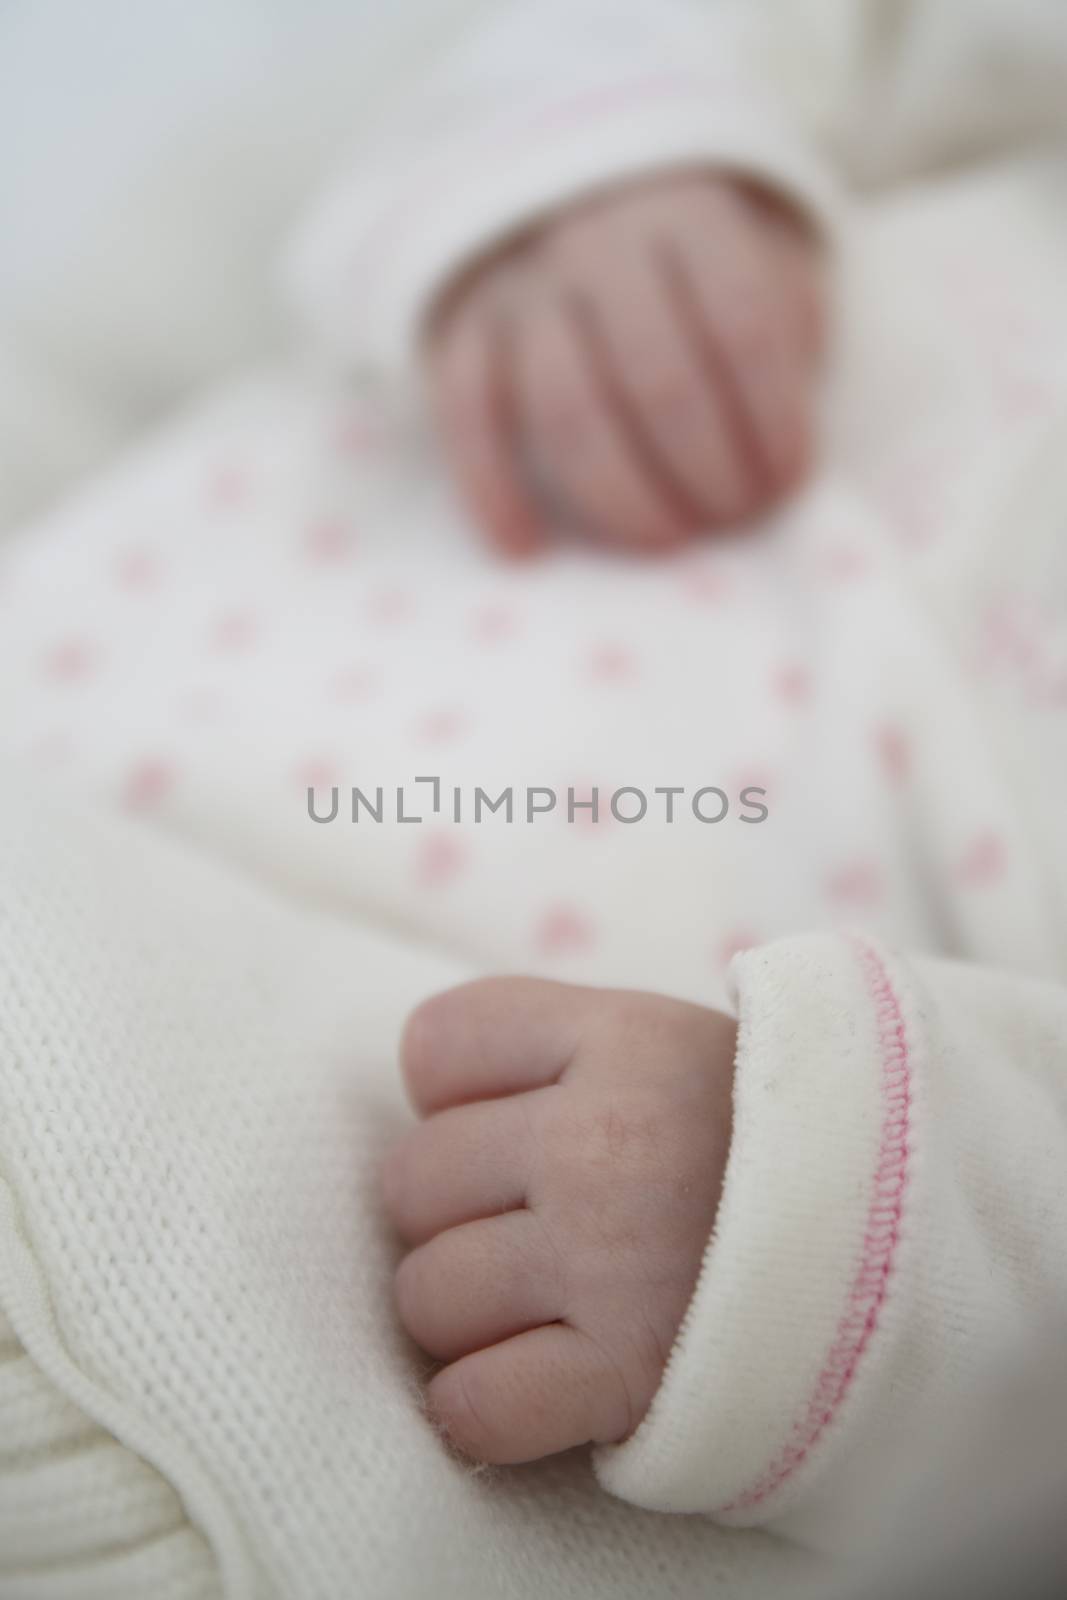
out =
column 202, row 1385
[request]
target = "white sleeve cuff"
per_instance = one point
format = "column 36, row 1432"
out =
column 366, row 280
column 797, row 1277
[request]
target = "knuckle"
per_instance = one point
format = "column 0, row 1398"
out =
column 630, row 1021
column 553, row 1261
column 607, row 1135
column 489, row 991
column 611, row 1134
column 718, row 200
column 570, row 246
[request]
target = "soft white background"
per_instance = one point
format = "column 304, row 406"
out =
column 152, row 158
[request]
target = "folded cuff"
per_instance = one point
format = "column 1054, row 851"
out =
column 790, row 1300
column 368, row 282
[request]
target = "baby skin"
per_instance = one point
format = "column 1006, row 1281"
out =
column 556, row 1198
column 644, row 363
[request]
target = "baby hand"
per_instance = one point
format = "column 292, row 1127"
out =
column 647, row 357
column 557, row 1197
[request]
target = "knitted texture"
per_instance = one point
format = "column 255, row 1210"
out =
column 81, row 1516
column 196, row 1083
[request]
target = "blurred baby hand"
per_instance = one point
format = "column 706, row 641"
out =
column 557, row 1198
column 646, row 360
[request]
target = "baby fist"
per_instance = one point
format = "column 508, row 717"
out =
column 557, row 1197
column 644, row 361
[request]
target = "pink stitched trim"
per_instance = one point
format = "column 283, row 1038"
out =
column 870, row 1286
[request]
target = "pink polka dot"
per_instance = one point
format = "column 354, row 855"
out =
column 234, row 632
column 442, row 725
column 734, row 942
column 612, row 663
column 844, row 563
column 857, row 883
column 492, row 624
column 439, row 859
column 148, row 784
column 228, row 485
column 70, row 661
column 355, row 685
column 983, row 861
column 330, row 541
column 564, row 930
column 1010, row 632
column 754, row 777
column 390, row 606
column 707, row 584
column 360, row 433
column 317, row 772
column 913, row 495
column 137, row 569
column 792, row 684
column 894, row 752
